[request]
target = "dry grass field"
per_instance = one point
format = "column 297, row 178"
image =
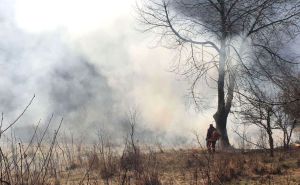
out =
column 101, row 164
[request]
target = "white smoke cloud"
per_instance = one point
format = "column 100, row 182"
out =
column 90, row 69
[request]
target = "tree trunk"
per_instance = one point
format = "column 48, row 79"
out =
column 269, row 132
column 285, row 139
column 271, row 143
column 221, row 123
column 289, row 133
column 223, row 110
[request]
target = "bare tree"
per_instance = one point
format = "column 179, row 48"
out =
column 264, row 93
column 216, row 35
column 255, row 111
column 288, row 114
column 287, row 126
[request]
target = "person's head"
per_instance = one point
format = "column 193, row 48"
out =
column 211, row 125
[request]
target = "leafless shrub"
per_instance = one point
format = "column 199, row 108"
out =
column 93, row 160
column 131, row 159
column 31, row 163
column 108, row 159
column 151, row 174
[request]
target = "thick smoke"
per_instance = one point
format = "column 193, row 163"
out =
column 93, row 81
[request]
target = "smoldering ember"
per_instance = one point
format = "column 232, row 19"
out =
column 150, row 92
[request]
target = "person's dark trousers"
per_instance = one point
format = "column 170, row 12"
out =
column 211, row 145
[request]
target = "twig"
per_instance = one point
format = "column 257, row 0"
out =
column 11, row 124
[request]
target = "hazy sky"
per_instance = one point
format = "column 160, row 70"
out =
column 86, row 62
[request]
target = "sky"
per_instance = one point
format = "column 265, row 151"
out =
column 87, row 61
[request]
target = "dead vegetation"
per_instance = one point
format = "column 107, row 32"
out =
column 49, row 158
column 50, row 163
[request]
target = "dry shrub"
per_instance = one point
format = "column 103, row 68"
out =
column 194, row 160
column 31, row 163
column 260, row 170
column 170, row 181
column 57, row 182
column 93, row 161
column 108, row 167
column 278, row 170
column 228, row 168
column 267, row 159
column 151, row 179
column 72, row 166
column 131, row 160
column 151, row 173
